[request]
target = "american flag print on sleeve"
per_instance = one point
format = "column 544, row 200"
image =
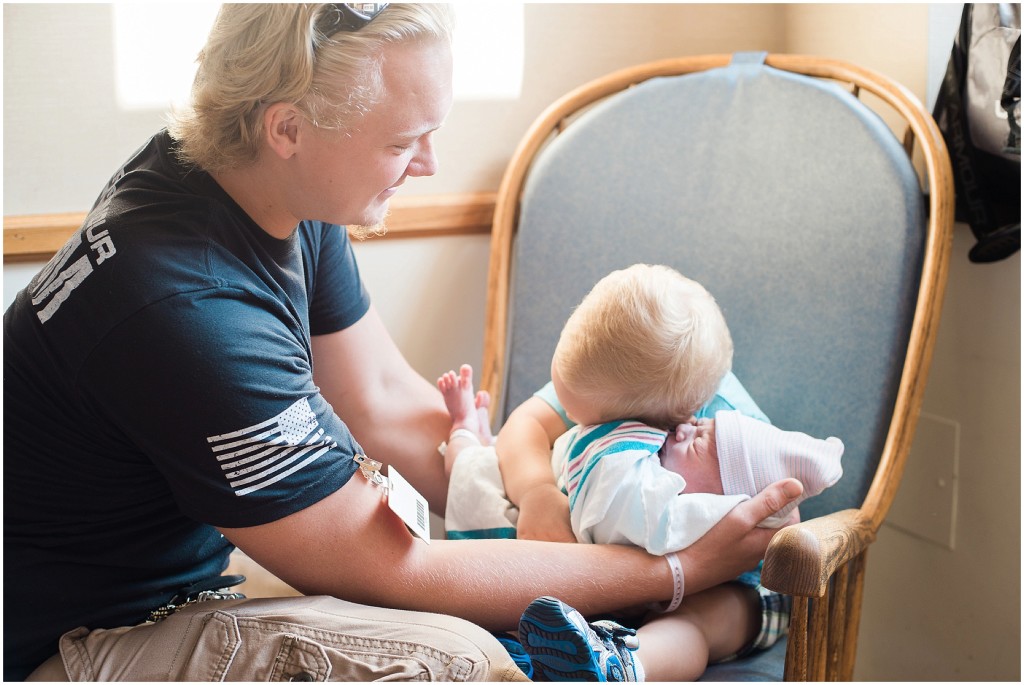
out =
column 262, row 454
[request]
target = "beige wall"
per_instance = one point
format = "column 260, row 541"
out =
column 942, row 600
column 570, row 44
column 942, row 596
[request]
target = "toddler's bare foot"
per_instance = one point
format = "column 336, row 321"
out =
column 467, row 410
column 483, row 403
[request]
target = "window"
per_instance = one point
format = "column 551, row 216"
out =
column 488, row 50
column 156, row 45
column 155, row 48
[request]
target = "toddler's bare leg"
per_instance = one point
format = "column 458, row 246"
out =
column 708, row 626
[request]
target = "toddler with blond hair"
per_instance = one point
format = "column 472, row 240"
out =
column 640, row 356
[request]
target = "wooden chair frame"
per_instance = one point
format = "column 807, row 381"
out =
column 820, row 562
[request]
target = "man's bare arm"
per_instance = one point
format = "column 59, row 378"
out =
column 394, row 413
column 352, row 546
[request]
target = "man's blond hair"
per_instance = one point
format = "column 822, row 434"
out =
column 262, row 53
column 646, row 343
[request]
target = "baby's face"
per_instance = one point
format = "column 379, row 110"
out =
column 691, row 452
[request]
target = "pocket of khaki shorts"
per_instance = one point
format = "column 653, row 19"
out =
column 249, row 648
column 214, row 651
column 300, row 660
column 234, row 649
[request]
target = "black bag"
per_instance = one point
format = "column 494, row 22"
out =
column 978, row 111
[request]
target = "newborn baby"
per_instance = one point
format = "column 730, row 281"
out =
column 630, row 483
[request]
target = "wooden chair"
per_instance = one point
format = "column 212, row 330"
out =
column 823, row 235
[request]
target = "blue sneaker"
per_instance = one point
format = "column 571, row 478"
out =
column 516, row 651
column 564, row 647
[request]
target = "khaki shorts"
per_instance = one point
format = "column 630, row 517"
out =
column 291, row 638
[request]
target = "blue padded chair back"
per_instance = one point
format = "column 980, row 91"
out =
column 785, row 196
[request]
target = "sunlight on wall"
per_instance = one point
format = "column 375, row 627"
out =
column 156, row 45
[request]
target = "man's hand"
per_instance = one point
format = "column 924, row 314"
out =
column 544, row 515
column 736, row 544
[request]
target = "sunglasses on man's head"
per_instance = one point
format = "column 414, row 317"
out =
column 348, row 16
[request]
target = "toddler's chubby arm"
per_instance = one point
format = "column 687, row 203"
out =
column 524, row 457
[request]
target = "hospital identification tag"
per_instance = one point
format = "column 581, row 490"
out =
column 410, row 505
column 403, row 499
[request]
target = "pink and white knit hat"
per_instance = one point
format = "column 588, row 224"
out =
column 753, row 454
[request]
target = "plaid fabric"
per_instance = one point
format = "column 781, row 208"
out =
column 775, row 610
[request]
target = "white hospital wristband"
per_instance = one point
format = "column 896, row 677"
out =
column 678, row 584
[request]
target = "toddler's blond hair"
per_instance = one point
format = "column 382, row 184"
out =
column 646, row 343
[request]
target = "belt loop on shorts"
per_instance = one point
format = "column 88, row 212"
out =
column 204, row 590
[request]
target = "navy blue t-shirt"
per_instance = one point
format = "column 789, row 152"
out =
column 157, row 383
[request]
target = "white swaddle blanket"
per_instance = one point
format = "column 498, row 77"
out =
column 619, row 492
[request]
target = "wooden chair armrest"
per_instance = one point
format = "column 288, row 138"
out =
column 801, row 558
